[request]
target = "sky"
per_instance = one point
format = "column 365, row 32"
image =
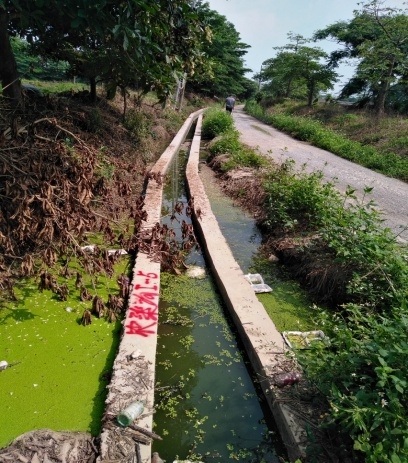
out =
column 264, row 24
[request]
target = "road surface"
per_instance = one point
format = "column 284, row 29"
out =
column 389, row 194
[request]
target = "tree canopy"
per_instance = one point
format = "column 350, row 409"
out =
column 377, row 37
column 130, row 42
column 297, row 71
column 225, row 70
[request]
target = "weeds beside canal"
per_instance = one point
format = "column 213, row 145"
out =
column 359, row 273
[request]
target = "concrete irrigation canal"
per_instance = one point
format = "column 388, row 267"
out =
column 245, row 416
column 134, row 368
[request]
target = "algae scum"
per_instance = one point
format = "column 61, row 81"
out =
column 59, row 368
column 207, row 402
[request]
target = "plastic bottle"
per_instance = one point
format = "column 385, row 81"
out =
column 286, row 379
column 130, row 413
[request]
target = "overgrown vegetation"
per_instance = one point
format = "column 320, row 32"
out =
column 330, row 137
column 219, row 123
column 358, row 274
column 73, row 171
column 375, row 40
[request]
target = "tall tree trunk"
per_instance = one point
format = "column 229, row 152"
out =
column 382, row 94
column 92, row 82
column 8, row 66
column 310, row 92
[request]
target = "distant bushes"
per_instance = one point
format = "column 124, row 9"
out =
column 218, row 123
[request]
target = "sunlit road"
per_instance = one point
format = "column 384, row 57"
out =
column 389, row 194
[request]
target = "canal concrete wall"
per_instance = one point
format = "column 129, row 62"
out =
column 264, row 344
column 133, row 375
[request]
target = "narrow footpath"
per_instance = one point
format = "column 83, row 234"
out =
column 388, row 193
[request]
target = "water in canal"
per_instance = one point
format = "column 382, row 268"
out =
column 208, row 406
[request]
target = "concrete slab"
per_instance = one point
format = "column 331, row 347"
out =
column 264, row 344
column 134, row 367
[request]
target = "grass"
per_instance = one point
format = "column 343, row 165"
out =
column 48, row 87
column 352, row 134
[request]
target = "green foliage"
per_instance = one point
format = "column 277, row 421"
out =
column 297, row 71
column 362, row 373
column 216, row 122
column 377, row 36
column 297, row 201
column 224, row 71
column 48, row 87
column 361, row 370
column 227, row 144
column 34, row 67
column 138, row 124
column 244, row 157
column 220, row 123
column 139, row 44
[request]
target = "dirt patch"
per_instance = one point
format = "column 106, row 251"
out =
column 46, row 446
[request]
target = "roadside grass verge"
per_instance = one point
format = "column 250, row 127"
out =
column 342, row 249
column 218, row 123
column 316, row 133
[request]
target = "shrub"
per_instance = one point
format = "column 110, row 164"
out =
column 306, row 129
column 361, row 368
column 227, row 144
column 216, row 122
column 362, row 373
column 138, row 124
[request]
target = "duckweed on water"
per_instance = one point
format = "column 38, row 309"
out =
column 59, row 368
column 287, row 305
column 205, row 395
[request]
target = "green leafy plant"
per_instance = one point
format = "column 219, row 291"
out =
column 363, row 375
column 216, row 122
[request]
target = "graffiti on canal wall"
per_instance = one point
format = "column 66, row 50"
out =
column 143, row 314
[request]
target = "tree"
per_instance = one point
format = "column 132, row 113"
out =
column 377, row 37
column 122, row 43
column 224, row 70
column 297, row 71
column 31, row 66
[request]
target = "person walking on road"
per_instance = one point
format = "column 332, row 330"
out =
column 229, row 104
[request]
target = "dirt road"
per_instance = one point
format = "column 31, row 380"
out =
column 389, row 194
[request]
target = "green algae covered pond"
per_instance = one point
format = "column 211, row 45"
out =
column 58, row 368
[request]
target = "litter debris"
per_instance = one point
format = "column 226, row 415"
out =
column 117, row 252
column 195, row 272
column 130, row 413
column 257, row 283
column 287, row 379
column 302, row 339
column 91, row 249
column 3, row 365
